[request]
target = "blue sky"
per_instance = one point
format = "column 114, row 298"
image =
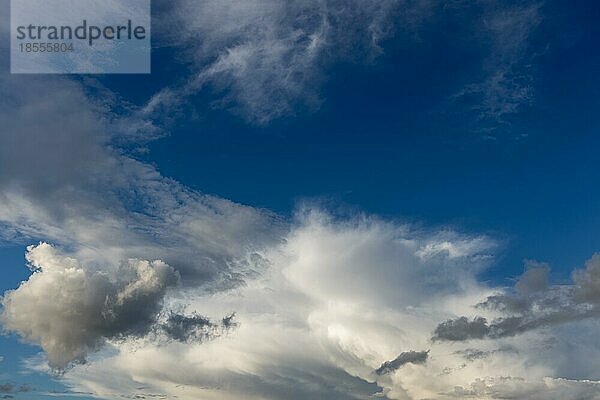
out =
column 454, row 140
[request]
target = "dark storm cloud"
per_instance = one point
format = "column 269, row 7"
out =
column 195, row 328
column 533, row 304
column 412, row 357
column 462, row 329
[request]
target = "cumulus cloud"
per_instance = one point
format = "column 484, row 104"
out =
column 63, row 181
column 587, row 282
column 108, row 213
column 340, row 300
column 69, row 310
column 535, row 278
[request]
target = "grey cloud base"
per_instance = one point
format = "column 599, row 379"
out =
column 414, row 357
column 534, row 304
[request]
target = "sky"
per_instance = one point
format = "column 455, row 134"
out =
column 336, row 199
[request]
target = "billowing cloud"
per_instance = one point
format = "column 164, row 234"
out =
column 340, row 299
column 108, row 213
column 69, row 310
column 587, row 282
column 317, row 319
column 535, row 278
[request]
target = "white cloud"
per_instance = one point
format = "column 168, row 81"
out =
column 341, row 299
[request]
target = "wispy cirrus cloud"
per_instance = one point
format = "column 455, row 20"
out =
column 267, row 59
column 102, row 203
column 507, row 85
